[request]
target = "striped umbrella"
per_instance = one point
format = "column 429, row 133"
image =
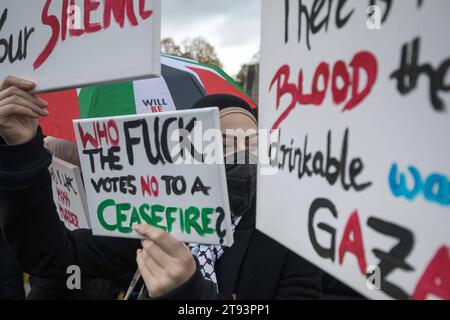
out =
column 182, row 82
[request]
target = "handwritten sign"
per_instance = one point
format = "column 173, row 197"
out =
column 152, row 169
column 69, row 195
column 71, row 43
column 356, row 93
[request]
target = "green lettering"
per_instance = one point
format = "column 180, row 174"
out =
column 135, row 218
column 206, row 220
column 181, row 220
column 121, row 218
column 143, row 210
column 100, row 214
column 169, row 218
column 192, row 214
column 155, row 218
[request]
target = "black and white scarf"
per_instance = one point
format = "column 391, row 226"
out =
column 208, row 255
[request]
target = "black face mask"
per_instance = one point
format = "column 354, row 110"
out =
column 241, row 181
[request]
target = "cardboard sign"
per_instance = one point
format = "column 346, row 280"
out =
column 154, row 169
column 69, row 195
column 359, row 94
column 70, row 43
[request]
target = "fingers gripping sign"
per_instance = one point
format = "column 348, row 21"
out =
column 163, row 262
column 19, row 110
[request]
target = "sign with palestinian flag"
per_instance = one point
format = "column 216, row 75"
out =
column 67, row 44
column 181, row 84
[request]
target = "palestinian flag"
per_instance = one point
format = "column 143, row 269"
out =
column 182, row 83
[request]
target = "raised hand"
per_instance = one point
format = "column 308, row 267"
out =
column 19, row 110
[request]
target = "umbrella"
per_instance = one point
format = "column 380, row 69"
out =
column 182, row 82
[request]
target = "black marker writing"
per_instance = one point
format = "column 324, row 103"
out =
column 408, row 74
column 313, row 24
column 8, row 44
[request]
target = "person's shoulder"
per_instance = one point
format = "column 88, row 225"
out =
column 269, row 243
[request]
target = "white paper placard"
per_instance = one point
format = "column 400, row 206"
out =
column 360, row 95
column 69, row 195
column 135, row 175
column 71, row 43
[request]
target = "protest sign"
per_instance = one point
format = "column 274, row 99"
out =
column 68, row 194
column 154, row 169
column 356, row 95
column 152, row 95
column 73, row 43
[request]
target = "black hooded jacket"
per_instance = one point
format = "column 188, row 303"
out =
column 11, row 277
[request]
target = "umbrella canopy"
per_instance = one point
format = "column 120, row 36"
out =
column 182, row 83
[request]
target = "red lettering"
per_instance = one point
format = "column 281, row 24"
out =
column 63, row 197
column 352, row 242
column 436, row 279
column 340, row 71
column 87, row 137
column 155, row 186
column 64, row 19
column 69, row 217
column 53, row 22
column 107, row 132
column 118, row 9
column 145, row 14
column 362, row 61
column 323, row 70
column 283, row 88
column 102, row 132
column 113, row 125
column 366, row 61
column 157, row 109
column 150, row 186
column 89, row 6
column 72, row 31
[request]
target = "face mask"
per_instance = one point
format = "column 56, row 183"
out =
column 241, row 181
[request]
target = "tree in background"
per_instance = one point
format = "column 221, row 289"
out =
column 202, row 51
column 168, row 46
column 197, row 49
column 248, row 77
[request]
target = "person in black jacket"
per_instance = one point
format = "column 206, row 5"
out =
column 56, row 289
column 255, row 267
column 11, row 277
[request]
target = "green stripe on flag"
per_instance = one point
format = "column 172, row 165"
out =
column 115, row 99
column 213, row 68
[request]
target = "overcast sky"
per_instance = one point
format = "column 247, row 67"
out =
column 231, row 26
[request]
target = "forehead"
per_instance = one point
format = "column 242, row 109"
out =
column 236, row 120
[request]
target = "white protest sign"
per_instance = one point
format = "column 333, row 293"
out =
column 155, row 169
column 152, row 95
column 69, row 195
column 359, row 94
column 70, row 43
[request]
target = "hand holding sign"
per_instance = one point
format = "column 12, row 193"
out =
column 141, row 169
column 19, row 110
column 164, row 263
